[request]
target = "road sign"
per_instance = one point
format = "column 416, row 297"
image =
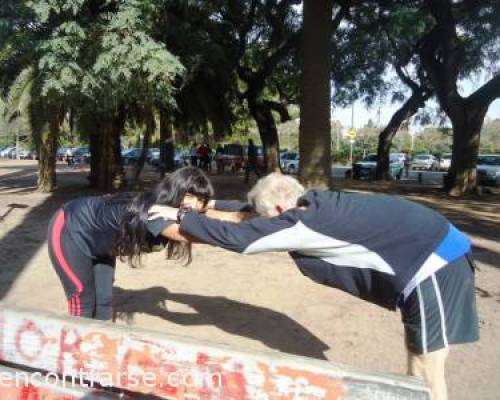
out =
column 351, row 134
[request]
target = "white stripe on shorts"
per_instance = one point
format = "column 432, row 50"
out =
column 441, row 310
column 422, row 320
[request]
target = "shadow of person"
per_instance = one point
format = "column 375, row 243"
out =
column 274, row 329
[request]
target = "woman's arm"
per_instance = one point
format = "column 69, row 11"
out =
column 170, row 213
column 172, row 232
column 237, row 216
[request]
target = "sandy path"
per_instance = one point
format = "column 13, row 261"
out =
column 253, row 302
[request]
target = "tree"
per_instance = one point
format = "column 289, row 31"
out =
column 462, row 38
column 101, row 58
column 401, row 28
column 274, row 37
column 375, row 58
column 314, row 130
column 20, row 35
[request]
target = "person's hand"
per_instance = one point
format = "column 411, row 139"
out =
column 165, row 212
column 210, row 205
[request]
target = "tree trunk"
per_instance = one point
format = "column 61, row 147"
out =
column 167, row 145
column 47, row 154
column 119, row 179
column 467, row 122
column 150, row 128
column 443, row 55
column 107, row 162
column 95, row 155
column 314, row 131
column 407, row 110
column 106, row 171
column 268, row 134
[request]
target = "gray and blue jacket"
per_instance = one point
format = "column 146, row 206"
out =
column 376, row 247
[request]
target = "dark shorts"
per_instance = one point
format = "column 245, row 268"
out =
column 442, row 309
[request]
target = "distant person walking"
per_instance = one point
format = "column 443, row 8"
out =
column 193, row 155
column 69, row 157
column 219, row 161
column 251, row 164
column 407, row 164
column 204, row 154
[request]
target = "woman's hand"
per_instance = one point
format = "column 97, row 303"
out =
column 165, row 212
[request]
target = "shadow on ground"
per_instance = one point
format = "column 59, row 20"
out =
column 271, row 328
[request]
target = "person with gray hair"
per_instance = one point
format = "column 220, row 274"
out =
column 383, row 249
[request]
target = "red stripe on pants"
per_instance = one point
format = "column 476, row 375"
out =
column 75, row 308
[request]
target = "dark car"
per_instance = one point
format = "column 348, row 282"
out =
column 132, row 156
column 366, row 168
column 260, row 156
column 233, row 156
column 81, row 155
column 488, row 169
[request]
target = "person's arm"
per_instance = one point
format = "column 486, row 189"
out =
column 253, row 236
column 256, row 235
column 230, row 205
column 237, row 216
column 172, row 232
column 170, row 213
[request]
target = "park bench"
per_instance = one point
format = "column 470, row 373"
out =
column 62, row 358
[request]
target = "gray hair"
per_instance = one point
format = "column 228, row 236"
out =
column 273, row 190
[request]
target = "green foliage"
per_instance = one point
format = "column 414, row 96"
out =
column 107, row 58
column 490, row 137
column 14, row 113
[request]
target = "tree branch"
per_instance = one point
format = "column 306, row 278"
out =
column 487, row 93
column 279, row 108
column 341, row 14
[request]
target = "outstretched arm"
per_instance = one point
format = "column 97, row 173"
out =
column 172, row 232
column 170, row 213
column 252, row 236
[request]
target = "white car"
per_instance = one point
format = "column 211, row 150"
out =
column 445, row 162
column 5, row 152
column 401, row 157
column 425, row 161
column 24, row 154
column 290, row 162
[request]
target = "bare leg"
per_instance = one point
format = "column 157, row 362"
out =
column 430, row 367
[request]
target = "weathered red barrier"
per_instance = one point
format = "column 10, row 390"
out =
column 89, row 356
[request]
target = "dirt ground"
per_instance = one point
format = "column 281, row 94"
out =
column 260, row 301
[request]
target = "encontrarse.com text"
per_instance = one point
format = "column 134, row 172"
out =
column 82, row 378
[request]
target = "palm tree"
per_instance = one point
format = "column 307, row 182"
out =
column 43, row 117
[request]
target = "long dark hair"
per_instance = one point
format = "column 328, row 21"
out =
column 134, row 237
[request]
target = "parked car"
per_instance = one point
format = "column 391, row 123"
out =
column 5, row 152
column 401, row 157
column 366, row 168
column 154, row 154
column 425, row 162
column 81, row 155
column 445, row 162
column 488, row 169
column 233, row 156
column 61, row 153
column 12, row 153
column 290, row 162
column 27, row 155
column 181, row 159
column 131, row 156
column 260, row 156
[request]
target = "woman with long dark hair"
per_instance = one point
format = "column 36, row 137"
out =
column 87, row 234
